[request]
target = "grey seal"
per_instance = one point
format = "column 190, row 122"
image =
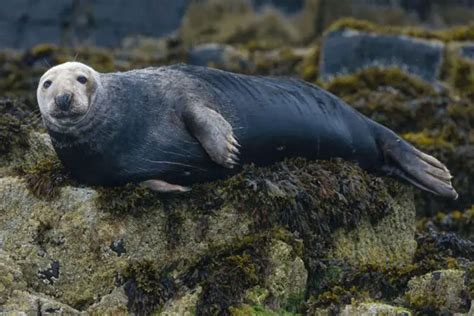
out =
column 173, row 126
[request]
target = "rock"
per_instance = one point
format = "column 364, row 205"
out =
column 244, row 241
column 374, row 309
column 101, row 22
column 388, row 242
column 11, row 277
column 285, row 282
column 442, row 291
column 184, row 305
column 467, row 50
column 346, row 51
column 217, row 55
column 288, row 279
column 286, row 6
column 114, row 303
column 23, row 302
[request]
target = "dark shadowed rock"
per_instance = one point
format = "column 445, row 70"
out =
column 467, row 50
column 347, row 51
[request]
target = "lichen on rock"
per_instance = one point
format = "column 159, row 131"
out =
column 438, row 291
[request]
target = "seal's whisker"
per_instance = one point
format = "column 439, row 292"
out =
column 33, row 121
column 174, row 153
column 174, row 163
column 46, row 62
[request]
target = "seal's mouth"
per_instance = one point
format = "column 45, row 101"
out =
column 66, row 118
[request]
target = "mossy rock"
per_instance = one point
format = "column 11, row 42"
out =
column 224, row 238
column 374, row 309
column 438, row 291
column 459, row 33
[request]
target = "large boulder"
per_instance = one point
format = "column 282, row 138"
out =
column 252, row 240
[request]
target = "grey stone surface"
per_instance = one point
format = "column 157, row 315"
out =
column 467, row 50
column 347, row 51
column 105, row 23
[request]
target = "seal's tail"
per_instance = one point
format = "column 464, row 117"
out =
column 416, row 167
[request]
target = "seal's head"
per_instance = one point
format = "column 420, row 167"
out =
column 65, row 93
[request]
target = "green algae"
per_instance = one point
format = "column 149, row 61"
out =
column 461, row 75
column 390, row 97
column 16, row 120
column 459, row 222
column 146, row 287
column 223, row 274
column 237, row 23
column 345, row 282
column 127, row 199
column 45, row 178
column 460, row 33
column 372, row 79
column 438, row 122
column 258, row 310
column 437, row 291
column 309, row 67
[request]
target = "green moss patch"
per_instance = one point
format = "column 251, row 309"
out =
column 45, row 178
column 129, row 199
column 146, row 287
column 460, row 33
column 16, row 120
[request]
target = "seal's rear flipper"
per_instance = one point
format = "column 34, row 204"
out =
column 416, row 167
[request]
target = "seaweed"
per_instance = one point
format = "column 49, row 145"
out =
column 459, row 33
column 146, row 287
column 45, row 178
column 437, row 122
column 16, row 120
column 129, row 199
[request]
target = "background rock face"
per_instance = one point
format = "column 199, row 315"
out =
column 24, row 23
column 348, row 51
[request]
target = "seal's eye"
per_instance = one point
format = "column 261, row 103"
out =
column 47, row 83
column 82, row 79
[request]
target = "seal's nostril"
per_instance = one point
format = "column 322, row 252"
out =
column 63, row 101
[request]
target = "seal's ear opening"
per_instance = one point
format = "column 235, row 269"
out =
column 420, row 169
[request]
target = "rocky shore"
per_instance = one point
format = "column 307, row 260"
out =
column 294, row 238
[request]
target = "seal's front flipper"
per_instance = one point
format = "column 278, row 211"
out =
column 214, row 133
column 165, row 187
column 418, row 168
